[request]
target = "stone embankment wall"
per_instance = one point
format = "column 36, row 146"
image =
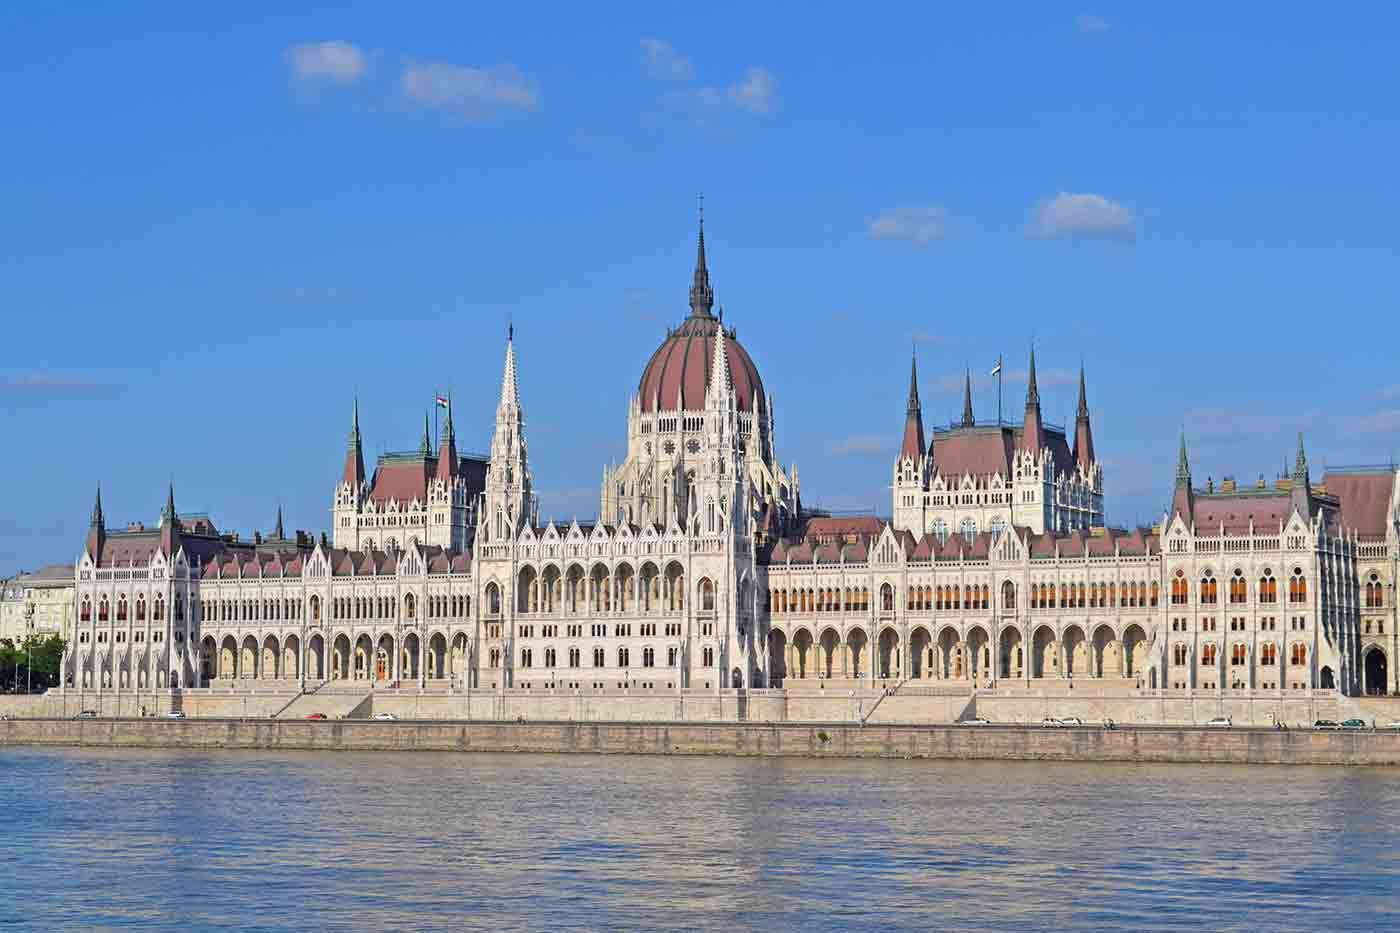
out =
column 905, row 705
column 1139, row 744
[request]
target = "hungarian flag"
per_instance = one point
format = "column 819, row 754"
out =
column 997, row 368
column 442, row 402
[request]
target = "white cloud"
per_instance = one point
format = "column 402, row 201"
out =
column 1081, row 215
column 860, row 444
column 474, row 93
column 756, row 92
column 336, row 61
column 919, row 225
column 664, row 62
column 1088, row 22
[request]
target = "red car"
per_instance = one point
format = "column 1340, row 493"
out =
column 316, row 716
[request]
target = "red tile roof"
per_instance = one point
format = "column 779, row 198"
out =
column 1364, row 498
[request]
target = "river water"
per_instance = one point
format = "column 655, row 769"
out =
column 308, row 841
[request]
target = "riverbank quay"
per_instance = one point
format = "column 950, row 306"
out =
column 836, row 740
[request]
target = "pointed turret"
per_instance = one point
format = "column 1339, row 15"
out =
column 721, row 380
column 913, row 446
column 278, row 533
column 510, row 391
column 169, row 525
column 1183, row 498
column 1302, row 488
column 425, row 446
column 354, row 472
column 967, row 419
column 447, row 449
column 1083, row 436
column 702, row 296
column 97, row 530
column 1033, row 432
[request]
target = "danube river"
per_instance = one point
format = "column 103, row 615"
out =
column 307, row 841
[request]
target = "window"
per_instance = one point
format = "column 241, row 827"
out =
column 671, row 656
column 707, row 595
column 1268, row 655
column 940, row 531
column 1008, row 595
column 1298, row 653
column 1375, row 598
column 1208, row 655
column 648, row 657
column 1298, row 587
column 709, row 656
column 1179, row 589
column 598, row 659
column 624, row 657
column 1209, row 592
column 1268, row 587
column 968, row 529
column 1239, row 590
column 1238, row 654
column 573, row 657
column 1179, row 655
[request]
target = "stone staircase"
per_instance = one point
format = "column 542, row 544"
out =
column 334, row 703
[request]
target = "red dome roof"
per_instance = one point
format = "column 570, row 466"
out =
column 679, row 370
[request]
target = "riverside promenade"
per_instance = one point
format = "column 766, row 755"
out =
column 1183, row 744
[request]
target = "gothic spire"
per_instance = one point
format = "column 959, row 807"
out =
column 168, row 513
column 1032, row 391
column 1300, row 463
column 97, row 532
column 1032, row 432
column 425, row 446
column 1083, row 436
column 447, row 448
column 278, row 533
column 721, row 380
column 702, row 296
column 97, row 520
column 510, row 392
column 912, row 447
column 967, row 419
column 1301, row 494
column 354, row 472
column 1183, row 467
column 1184, row 497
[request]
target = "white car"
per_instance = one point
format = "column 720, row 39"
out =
column 975, row 721
column 173, row 714
column 1070, row 721
column 1393, row 725
column 1219, row 722
column 386, row 717
column 1049, row 722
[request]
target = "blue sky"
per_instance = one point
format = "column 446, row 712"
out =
column 218, row 230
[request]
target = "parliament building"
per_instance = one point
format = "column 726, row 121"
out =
column 994, row 568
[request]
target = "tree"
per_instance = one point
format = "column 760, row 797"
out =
column 44, row 653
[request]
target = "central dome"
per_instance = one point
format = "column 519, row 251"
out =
column 679, row 370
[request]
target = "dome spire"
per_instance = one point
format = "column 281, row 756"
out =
column 702, row 296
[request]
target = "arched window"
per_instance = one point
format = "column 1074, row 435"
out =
column 1208, row 655
column 968, row 529
column 997, row 526
column 1375, row 597
column 1237, row 655
column 1179, row 655
column 1155, row 591
column 121, row 608
column 409, row 607
column 85, row 613
column 1209, row 592
column 887, row 598
column 707, row 594
column 1238, row 589
column 986, row 596
column 493, row 599
column 1008, row 595
column 1298, row 653
column 1179, row 589
column 1268, row 655
column 940, row 531
column 1298, row 587
column 158, row 609
column 1268, row 587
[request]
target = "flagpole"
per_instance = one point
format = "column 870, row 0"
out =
column 436, row 406
column 999, row 369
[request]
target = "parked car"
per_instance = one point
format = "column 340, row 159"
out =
column 386, row 717
column 86, row 714
column 316, row 716
column 1110, row 724
column 975, row 721
column 1353, row 724
column 1393, row 725
column 1327, row 724
column 1219, row 722
column 1049, row 722
column 173, row 714
column 1070, row 721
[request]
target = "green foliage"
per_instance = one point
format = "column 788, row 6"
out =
column 44, row 653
